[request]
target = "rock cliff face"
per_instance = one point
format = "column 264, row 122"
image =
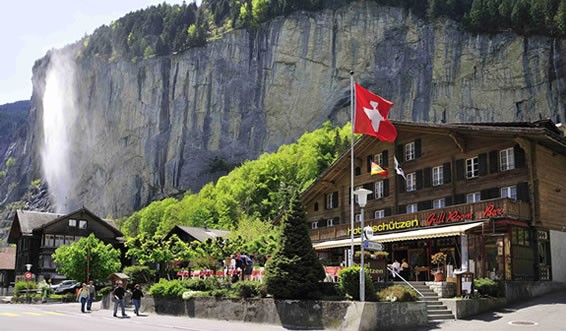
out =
column 145, row 130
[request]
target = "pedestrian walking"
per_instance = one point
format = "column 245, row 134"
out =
column 137, row 294
column 82, row 297
column 91, row 295
column 118, row 295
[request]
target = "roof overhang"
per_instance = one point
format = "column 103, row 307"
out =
column 433, row 232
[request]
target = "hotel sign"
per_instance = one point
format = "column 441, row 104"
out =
column 388, row 226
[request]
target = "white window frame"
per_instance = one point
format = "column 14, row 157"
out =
column 378, row 158
column 472, row 167
column 411, row 182
column 330, row 222
column 473, row 197
column 439, row 203
column 509, row 192
column 378, row 190
column 378, row 214
column 329, row 200
column 357, row 218
column 83, row 224
column 507, row 159
column 410, row 153
column 412, row 208
column 438, row 176
column 72, row 222
column 314, row 225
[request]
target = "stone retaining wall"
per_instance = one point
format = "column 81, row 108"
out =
column 295, row 314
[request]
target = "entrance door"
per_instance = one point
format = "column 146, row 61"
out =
column 417, row 262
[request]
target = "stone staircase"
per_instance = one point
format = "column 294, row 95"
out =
column 436, row 310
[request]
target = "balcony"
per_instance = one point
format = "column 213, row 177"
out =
column 488, row 209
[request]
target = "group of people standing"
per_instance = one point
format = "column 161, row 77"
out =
column 400, row 269
column 238, row 265
column 86, row 295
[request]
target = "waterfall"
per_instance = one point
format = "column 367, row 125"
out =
column 59, row 115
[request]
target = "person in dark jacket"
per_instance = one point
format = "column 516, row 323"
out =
column 137, row 294
column 118, row 295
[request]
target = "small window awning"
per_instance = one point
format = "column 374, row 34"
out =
column 432, row 232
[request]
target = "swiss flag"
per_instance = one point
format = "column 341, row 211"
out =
column 371, row 115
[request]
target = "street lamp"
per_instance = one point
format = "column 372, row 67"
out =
column 362, row 195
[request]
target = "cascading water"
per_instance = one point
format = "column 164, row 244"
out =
column 59, row 115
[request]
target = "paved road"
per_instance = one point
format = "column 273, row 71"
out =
column 546, row 313
column 63, row 317
column 543, row 313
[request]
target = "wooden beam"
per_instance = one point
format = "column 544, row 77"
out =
column 458, row 140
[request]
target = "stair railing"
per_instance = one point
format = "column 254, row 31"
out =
column 395, row 273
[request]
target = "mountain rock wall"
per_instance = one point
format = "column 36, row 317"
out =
column 157, row 127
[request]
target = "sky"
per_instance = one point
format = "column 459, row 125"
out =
column 28, row 29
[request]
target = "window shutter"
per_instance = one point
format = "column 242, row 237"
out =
column 459, row 199
column 402, row 209
column 370, row 158
column 402, row 185
column 424, row 205
column 387, row 211
column 371, row 187
column 447, row 173
column 400, row 153
column 336, row 220
column 493, row 162
column 427, row 177
column 490, row 193
column 460, row 169
column 386, row 187
column 385, row 154
column 419, row 179
column 335, row 200
column 482, row 158
column 417, row 148
column 358, row 171
column 523, row 192
column 519, row 156
column 448, row 201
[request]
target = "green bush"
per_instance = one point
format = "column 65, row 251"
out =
column 219, row 293
column 486, row 286
column 397, row 293
column 139, row 274
column 24, row 285
column 247, row 289
column 105, row 290
column 350, row 283
column 196, row 284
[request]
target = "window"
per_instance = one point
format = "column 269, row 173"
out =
column 473, row 197
column 48, row 240
column 59, row 241
column 331, row 200
column 379, row 214
column 378, row 190
column 509, row 192
column 412, row 182
column 438, row 203
column 410, row 151
column 329, row 222
column 437, row 176
column 314, row 225
column 472, row 167
column 82, row 224
column 412, row 208
column 69, row 240
column 506, row 159
column 72, row 222
column 378, row 158
column 357, row 217
column 316, row 206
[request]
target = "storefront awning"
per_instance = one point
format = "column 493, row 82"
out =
column 433, row 232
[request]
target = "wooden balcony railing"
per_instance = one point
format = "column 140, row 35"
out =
column 496, row 208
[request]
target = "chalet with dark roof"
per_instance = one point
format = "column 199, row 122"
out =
column 189, row 234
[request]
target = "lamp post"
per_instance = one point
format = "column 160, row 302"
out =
column 362, row 195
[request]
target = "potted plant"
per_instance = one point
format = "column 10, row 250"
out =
column 438, row 259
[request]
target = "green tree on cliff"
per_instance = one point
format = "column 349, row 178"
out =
column 294, row 271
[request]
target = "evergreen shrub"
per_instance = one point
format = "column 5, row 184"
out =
column 350, row 283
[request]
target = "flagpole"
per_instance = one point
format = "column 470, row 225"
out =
column 352, row 169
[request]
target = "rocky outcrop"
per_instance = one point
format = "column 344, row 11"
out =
column 154, row 128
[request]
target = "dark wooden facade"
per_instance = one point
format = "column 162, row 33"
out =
column 37, row 235
column 515, row 169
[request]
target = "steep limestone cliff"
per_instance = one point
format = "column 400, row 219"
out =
column 141, row 131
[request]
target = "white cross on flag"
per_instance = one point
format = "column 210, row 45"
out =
column 371, row 115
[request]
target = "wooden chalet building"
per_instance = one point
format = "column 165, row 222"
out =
column 489, row 195
column 189, row 234
column 38, row 234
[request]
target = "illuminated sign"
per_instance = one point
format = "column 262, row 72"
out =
column 388, row 226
